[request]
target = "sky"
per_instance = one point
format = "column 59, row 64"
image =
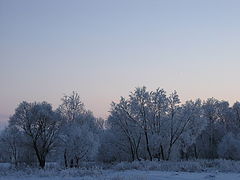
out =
column 104, row 49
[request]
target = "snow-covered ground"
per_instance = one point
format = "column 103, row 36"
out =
column 136, row 175
column 138, row 170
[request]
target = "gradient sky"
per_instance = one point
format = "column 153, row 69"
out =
column 103, row 49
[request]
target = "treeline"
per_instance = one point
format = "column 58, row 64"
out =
column 148, row 125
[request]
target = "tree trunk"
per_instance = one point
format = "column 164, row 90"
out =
column 42, row 163
column 132, row 152
column 137, row 154
column 71, row 163
column 40, row 157
column 65, row 158
column 147, row 144
column 195, row 151
column 77, row 162
column 137, row 147
column 169, row 152
column 162, row 152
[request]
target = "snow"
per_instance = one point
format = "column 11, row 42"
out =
column 145, row 170
column 136, row 174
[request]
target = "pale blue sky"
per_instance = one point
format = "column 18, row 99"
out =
column 103, row 49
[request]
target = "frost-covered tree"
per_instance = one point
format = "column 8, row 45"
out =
column 125, row 133
column 140, row 114
column 236, row 117
column 182, row 126
column 72, row 110
column 159, row 109
column 14, row 147
column 115, row 146
column 194, row 124
column 10, row 142
column 153, row 124
column 216, row 115
column 72, row 107
column 78, row 131
column 79, row 143
column 122, row 120
column 40, row 125
column 146, row 125
column 229, row 147
column 173, row 130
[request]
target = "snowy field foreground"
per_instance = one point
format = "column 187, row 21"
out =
column 136, row 175
column 139, row 170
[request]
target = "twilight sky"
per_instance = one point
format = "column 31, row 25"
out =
column 103, row 49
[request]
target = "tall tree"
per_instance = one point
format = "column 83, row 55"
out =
column 41, row 126
column 76, row 142
column 72, row 107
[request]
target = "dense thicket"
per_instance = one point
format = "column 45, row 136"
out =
column 147, row 125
